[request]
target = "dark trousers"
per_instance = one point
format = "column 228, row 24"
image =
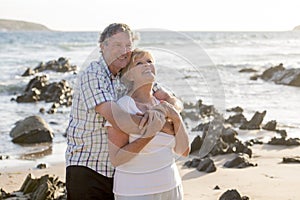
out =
column 83, row 183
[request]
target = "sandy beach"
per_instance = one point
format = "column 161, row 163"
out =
column 270, row 179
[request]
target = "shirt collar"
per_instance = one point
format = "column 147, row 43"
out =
column 108, row 72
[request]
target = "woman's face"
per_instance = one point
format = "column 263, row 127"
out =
column 142, row 70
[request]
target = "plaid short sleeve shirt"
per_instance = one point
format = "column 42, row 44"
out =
column 86, row 133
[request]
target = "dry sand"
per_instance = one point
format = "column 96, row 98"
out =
column 269, row 180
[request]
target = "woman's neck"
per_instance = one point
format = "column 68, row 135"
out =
column 143, row 94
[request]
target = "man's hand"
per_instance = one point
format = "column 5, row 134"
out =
column 153, row 121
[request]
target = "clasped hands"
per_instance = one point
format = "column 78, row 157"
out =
column 159, row 118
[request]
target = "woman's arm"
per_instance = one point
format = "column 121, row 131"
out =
column 182, row 146
column 120, row 150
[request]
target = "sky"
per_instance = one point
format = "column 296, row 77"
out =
column 175, row 15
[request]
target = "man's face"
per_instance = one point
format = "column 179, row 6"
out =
column 117, row 51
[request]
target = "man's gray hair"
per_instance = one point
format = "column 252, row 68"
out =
column 113, row 29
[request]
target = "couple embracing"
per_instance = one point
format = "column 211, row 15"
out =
column 123, row 148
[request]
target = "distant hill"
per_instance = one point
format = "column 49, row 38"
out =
column 16, row 25
column 297, row 28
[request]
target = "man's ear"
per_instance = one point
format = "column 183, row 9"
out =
column 101, row 46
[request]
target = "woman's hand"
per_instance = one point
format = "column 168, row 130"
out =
column 171, row 112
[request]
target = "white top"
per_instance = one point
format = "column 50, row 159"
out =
column 151, row 171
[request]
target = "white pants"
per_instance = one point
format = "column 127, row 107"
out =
column 174, row 194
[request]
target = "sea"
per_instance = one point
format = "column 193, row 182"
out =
column 192, row 65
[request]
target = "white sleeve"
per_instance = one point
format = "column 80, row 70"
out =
column 127, row 104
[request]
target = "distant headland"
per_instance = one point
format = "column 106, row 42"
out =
column 17, row 25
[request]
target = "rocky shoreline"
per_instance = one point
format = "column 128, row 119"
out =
column 235, row 153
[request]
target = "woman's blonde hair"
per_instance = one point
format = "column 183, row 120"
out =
column 136, row 53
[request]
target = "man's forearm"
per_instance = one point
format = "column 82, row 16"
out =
column 127, row 152
column 129, row 123
column 119, row 119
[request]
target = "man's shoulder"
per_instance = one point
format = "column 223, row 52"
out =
column 95, row 67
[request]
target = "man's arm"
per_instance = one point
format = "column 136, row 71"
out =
column 129, row 123
column 120, row 150
column 119, row 119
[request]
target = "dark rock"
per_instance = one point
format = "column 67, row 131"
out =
column 60, row 65
column 254, row 77
column 280, row 75
column 201, row 127
column 255, row 121
column 253, row 141
column 236, row 119
column 282, row 133
column 188, row 163
column 216, row 187
column 269, row 73
column 240, row 161
column 206, row 165
column 5, row 195
column 206, row 110
column 248, row 70
column 32, row 129
column 39, row 89
column 195, row 162
column 42, row 110
column 189, row 105
column 229, row 143
column 41, row 166
column 34, row 89
column 284, row 141
column 231, row 195
column 290, row 160
column 289, row 77
column 193, row 115
column 28, row 72
column 46, row 187
column 270, row 126
column 196, row 144
column 4, row 157
column 229, row 135
column 235, row 109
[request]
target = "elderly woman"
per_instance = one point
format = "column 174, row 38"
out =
column 148, row 171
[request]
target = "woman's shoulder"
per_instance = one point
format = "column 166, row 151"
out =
column 125, row 100
column 127, row 103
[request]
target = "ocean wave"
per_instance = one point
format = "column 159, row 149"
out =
column 11, row 88
column 74, row 45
